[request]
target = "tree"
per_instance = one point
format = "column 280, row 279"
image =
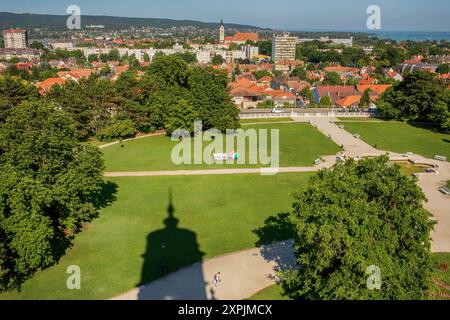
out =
column 332, row 79
column 261, row 74
column 118, row 129
column 50, row 184
column 325, row 101
column 443, row 68
column 13, row 91
column 353, row 216
column 37, row 45
column 300, row 72
column 365, row 99
column 92, row 58
column 217, row 60
column 421, row 96
column 265, row 48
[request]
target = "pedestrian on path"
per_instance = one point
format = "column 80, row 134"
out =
column 216, row 279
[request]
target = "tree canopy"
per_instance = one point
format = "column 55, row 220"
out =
column 420, row 97
column 354, row 216
column 50, row 184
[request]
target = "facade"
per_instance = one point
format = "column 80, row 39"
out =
column 26, row 53
column 250, row 51
column 15, row 38
column 283, row 48
column 346, row 42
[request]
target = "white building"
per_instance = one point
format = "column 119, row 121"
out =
column 346, row 42
column 250, row 51
column 283, row 47
column 15, row 38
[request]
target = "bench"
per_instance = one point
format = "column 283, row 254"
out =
column 445, row 191
column 357, row 136
column 440, row 158
column 318, row 161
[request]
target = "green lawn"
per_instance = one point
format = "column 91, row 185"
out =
column 251, row 121
column 300, row 145
column 441, row 274
column 402, row 137
column 271, row 293
column 217, row 215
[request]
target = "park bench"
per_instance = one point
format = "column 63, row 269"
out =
column 440, row 158
column 357, row 136
column 445, row 191
column 318, row 161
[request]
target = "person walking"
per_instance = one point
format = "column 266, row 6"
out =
column 216, row 279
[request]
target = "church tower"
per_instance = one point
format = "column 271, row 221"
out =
column 222, row 33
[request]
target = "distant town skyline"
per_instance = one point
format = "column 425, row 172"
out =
column 293, row 15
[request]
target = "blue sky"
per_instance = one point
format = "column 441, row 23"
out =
column 397, row 15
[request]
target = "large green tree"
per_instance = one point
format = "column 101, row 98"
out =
column 50, row 185
column 354, row 216
column 421, row 96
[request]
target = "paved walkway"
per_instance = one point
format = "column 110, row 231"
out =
column 242, row 273
column 326, row 164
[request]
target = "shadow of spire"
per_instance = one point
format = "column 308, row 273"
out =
column 169, row 250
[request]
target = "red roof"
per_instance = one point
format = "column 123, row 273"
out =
column 243, row 37
column 349, row 101
column 14, row 31
column 378, row 88
column 50, row 82
column 265, row 79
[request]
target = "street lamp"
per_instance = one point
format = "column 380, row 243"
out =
column 164, row 263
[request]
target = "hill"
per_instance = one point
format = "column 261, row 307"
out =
column 57, row 22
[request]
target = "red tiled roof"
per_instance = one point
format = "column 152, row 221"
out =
column 14, row 31
column 340, row 69
column 50, row 82
column 243, row 37
column 378, row 88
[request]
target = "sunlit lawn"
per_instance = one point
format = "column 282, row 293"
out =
column 402, row 137
column 300, row 145
column 217, row 215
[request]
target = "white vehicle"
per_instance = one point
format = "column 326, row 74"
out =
column 277, row 110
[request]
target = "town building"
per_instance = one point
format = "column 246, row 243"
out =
column 346, row 42
column 15, row 38
column 283, row 47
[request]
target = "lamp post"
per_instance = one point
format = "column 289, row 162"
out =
column 164, row 262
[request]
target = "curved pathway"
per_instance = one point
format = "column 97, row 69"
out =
column 243, row 274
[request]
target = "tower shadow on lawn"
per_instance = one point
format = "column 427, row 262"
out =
column 169, row 250
column 275, row 241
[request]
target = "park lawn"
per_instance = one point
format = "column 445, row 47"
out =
column 271, row 293
column 359, row 119
column 441, row 262
column 265, row 120
column 217, row 215
column 402, row 137
column 300, row 145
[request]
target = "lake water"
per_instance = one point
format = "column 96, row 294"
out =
column 413, row 35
